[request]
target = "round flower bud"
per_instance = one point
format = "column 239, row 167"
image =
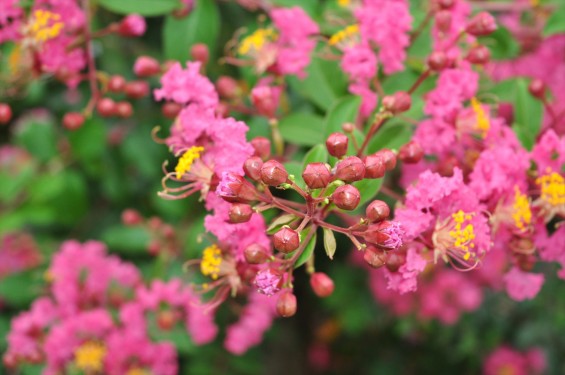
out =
column 346, row 197
column 348, row 127
column 389, row 158
column 5, row 113
column 166, row 319
column 227, row 87
column 262, row 147
column 200, row 52
column 171, row 110
column 265, row 99
column 398, row 102
column 255, row 254
column 131, row 217
column 286, row 240
column 443, row 20
column 377, row 211
column 316, row 175
column 386, row 235
column 482, row 24
column 321, row 284
column 146, row 66
column 375, row 166
column 374, row 257
column 116, row 84
column 234, row 188
column 286, row 304
column 273, row 173
column 124, row 109
column 252, row 168
column 240, row 213
column 136, row 89
column 446, row 4
column 132, row 25
column 506, row 111
column 411, row 153
column 437, row 60
column 395, row 260
column 479, row 55
column 106, row 107
column 537, row 89
column 337, row 144
column 73, row 120
column 350, row 169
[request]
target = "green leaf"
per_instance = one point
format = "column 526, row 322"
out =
column 302, row 128
column 21, row 288
column 528, row 114
column 329, row 242
column 295, row 168
column 279, row 222
column 345, row 110
column 368, row 189
column 392, row 136
column 39, row 138
column 127, row 240
column 318, row 154
column 88, row 144
column 556, row 22
column 502, row 44
column 201, row 26
column 310, row 6
column 308, row 250
column 142, row 7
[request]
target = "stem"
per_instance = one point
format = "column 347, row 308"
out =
column 420, row 80
column 421, row 27
column 380, row 118
column 391, row 193
column 90, row 59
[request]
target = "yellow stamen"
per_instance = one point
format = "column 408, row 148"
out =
column 89, row 357
column 257, row 40
column 211, row 261
column 187, row 159
column 345, row 34
column 552, row 188
column 45, row 25
column 522, row 213
column 137, row 371
column 343, row 3
column 463, row 235
column 534, row 3
column 48, row 276
column 483, row 122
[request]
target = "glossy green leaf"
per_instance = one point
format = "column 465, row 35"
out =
column 279, row 222
column 555, row 24
column 392, row 136
column 142, row 7
column 344, row 110
column 302, row 128
column 368, row 189
column 528, row 114
column 308, row 250
column 318, row 154
column 329, row 242
column 502, row 44
column 127, row 240
column 21, row 288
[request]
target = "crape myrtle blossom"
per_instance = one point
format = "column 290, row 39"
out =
column 506, row 360
column 11, row 16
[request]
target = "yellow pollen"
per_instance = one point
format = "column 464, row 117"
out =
column 48, row 276
column 534, row 3
column 187, row 159
column 463, row 235
column 343, row 3
column 89, row 357
column 45, row 25
column 257, row 40
column 136, row 371
column 552, row 188
column 347, row 33
column 211, row 261
column 483, row 122
column 522, row 213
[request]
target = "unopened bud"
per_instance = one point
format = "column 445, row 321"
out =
column 446, row 4
column 346, row 197
column 273, row 173
column 376, row 258
column 234, row 188
column 286, row 240
column 411, row 153
column 5, row 113
column 265, row 99
column 348, row 127
column 350, row 169
column 240, row 213
column 389, row 158
column 106, row 107
column 506, row 111
column 479, row 55
column 124, row 109
column 316, row 175
column 252, row 168
column 73, row 120
column 337, row 144
column 398, row 102
column 395, row 260
column 146, row 66
column 375, row 166
column 377, row 211
column 227, row 87
column 437, row 60
column 136, row 89
column 443, row 20
column 200, row 52
column 286, row 305
column 131, row 217
column 132, row 25
column 116, row 84
column 482, row 24
column 262, row 147
column 537, row 89
column 321, row 284
column 526, row 262
column 171, row 110
column 255, row 254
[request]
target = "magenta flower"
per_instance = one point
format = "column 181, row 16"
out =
column 522, row 285
column 405, row 280
column 268, row 282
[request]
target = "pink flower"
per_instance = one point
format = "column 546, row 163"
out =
column 505, row 360
column 522, row 285
column 458, row 12
column 268, row 282
column 400, row 304
column 453, row 87
column 405, row 280
column 18, row 252
column 435, row 135
column 133, row 25
column 11, row 15
column 549, row 152
column 369, row 97
column 359, row 62
column 552, row 248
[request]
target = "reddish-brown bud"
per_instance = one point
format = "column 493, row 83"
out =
column 316, row 175
column 124, row 109
column 5, row 113
column 389, row 158
column 375, row 166
column 240, row 213
column 73, row 120
column 286, row 240
column 506, row 111
column 273, row 173
column 337, row 144
column 116, row 84
column 537, row 89
column 443, row 20
column 136, row 89
column 252, row 168
column 526, row 262
column 262, row 147
column 348, row 127
column 376, row 258
column 350, row 169
column 255, row 254
column 482, row 24
column 395, row 260
column 227, row 87
column 346, row 197
column 200, row 52
column 146, row 66
column 386, row 235
column 286, row 305
column 446, row 4
column 132, row 25
column 437, row 60
column 234, row 188
column 411, row 152
column 377, row 211
column 479, row 55
column 131, row 217
column 171, row 110
column 321, row 284
column 106, row 107
column 265, row 99
column 167, row 319
column 398, row 102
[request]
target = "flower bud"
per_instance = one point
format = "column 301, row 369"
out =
column 146, row 66
column 286, row 240
column 479, row 55
column 321, row 284
column 377, row 211
column 376, row 258
column 106, row 107
column 482, row 24
column 273, row 173
column 240, row 213
column 537, row 89
column 411, row 153
column 252, row 168
column 446, row 4
column 398, row 102
column 389, row 158
column 395, row 260
column 132, row 25
column 346, row 197
column 5, row 113
column 116, row 84
column 350, row 169
column 262, row 147
column 124, row 109
column 375, row 166
column 255, row 254
column 200, row 52
column 386, row 235
column 166, row 319
column 171, row 110
column 265, row 99
column 286, row 305
column 136, row 89
column 525, row 262
column 437, row 61
column 73, row 120
column 348, row 127
column 443, row 20
column 131, row 217
column 227, row 87
column 316, row 175
column 234, row 188
column 506, row 111
column 337, row 144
